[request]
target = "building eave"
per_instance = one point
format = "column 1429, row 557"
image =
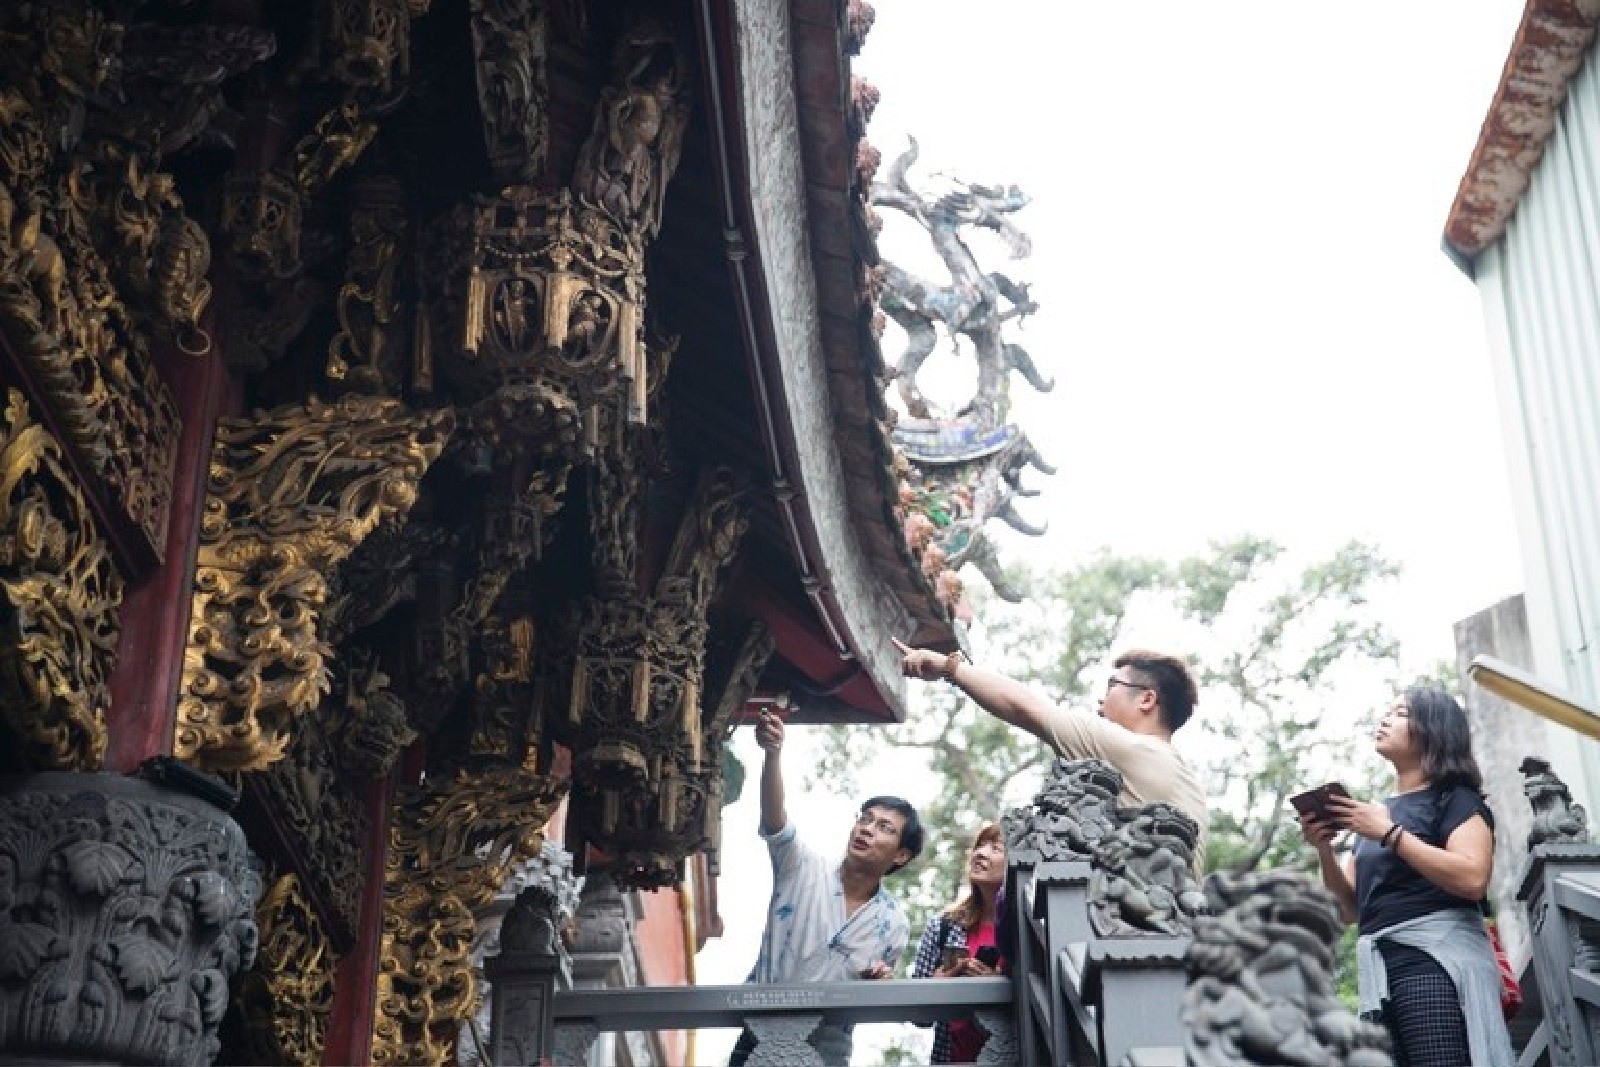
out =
column 1550, row 46
column 810, row 372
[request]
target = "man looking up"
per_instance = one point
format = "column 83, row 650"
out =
column 829, row 921
column 1148, row 697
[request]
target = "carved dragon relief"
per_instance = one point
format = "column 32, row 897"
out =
column 291, row 493
column 452, row 846
column 60, row 597
column 969, row 463
column 288, row 997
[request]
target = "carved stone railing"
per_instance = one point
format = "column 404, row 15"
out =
column 1560, row 887
column 1083, row 998
column 781, row 1016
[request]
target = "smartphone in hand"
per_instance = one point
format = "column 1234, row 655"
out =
column 952, row 955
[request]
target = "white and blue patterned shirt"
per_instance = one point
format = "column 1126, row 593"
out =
column 808, row 937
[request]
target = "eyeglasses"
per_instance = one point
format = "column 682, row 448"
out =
column 1113, row 681
column 880, row 824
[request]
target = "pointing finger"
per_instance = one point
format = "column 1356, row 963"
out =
column 904, row 648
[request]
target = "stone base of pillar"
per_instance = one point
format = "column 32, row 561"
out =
column 126, row 907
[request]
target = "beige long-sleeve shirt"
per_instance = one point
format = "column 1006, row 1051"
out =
column 1152, row 772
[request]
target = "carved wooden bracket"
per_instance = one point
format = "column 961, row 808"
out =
column 635, row 719
column 291, row 493
column 59, row 601
column 452, row 847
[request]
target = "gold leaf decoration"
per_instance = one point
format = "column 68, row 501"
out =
column 291, row 493
column 61, row 600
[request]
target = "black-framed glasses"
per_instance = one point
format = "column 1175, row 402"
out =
column 1113, row 681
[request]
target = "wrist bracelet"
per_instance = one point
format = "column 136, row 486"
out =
column 1383, row 842
column 951, row 662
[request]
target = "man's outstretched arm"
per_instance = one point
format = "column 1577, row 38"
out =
column 769, row 735
column 1004, row 698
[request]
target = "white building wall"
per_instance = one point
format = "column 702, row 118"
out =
column 1541, row 295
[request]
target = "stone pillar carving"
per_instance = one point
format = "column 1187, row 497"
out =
column 551, row 872
column 291, row 493
column 525, row 972
column 1561, row 890
column 1261, row 978
column 125, row 910
column 1143, row 882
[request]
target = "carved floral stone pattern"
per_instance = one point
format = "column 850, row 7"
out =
column 125, row 910
column 60, row 597
column 291, row 493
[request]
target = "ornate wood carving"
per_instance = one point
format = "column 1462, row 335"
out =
column 363, row 352
column 366, row 40
column 452, row 847
column 322, row 821
column 643, row 785
column 509, row 43
column 61, row 597
column 633, row 148
column 291, row 992
column 291, row 493
column 541, row 316
column 97, row 255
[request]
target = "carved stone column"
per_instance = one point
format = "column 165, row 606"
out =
column 551, row 872
column 125, row 909
column 524, row 975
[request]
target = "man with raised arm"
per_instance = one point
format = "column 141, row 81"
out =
column 829, row 920
column 1148, row 697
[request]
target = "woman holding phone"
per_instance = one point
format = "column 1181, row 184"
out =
column 1414, row 884
column 960, row 942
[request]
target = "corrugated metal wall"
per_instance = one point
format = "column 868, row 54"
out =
column 1541, row 295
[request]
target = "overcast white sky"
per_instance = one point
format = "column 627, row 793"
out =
column 1236, row 220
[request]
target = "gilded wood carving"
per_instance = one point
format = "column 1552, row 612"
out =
column 647, row 764
column 98, row 258
column 451, row 848
column 291, row 493
column 61, row 598
column 289, row 995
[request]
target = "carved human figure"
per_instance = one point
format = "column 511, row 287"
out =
column 633, row 149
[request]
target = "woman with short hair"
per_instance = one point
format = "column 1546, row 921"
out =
column 960, row 941
column 1415, row 883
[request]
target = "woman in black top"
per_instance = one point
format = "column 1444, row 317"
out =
column 1414, row 884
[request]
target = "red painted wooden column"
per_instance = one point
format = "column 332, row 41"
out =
column 155, row 610
column 355, row 983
